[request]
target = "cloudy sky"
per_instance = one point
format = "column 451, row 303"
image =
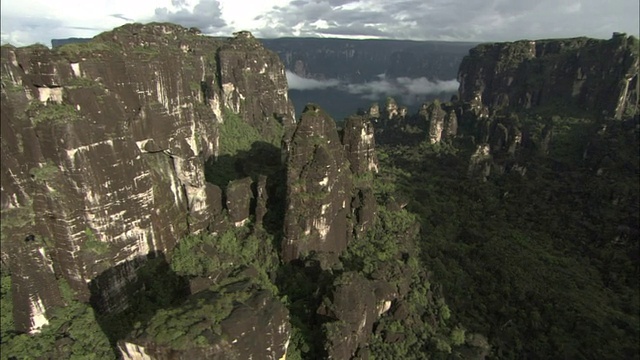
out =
column 28, row 21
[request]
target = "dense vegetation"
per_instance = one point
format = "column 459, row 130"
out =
column 244, row 151
column 383, row 253
column 545, row 263
column 429, row 330
column 72, row 333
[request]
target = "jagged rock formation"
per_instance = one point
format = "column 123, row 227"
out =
column 359, row 144
column 480, row 162
column 318, row 188
column 500, row 140
column 261, row 199
column 374, row 111
column 441, row 123
column 321, row 189
column 357, row 62
column 585, row 76
column 248, row 69
column 359, row 59
column 597, row 75
column 104, row 145
column 393, row 111
column 435, row 121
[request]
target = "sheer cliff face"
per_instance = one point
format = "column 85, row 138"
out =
column 328, row 201
column 318, row 188
column 598, row 75
column 359, row 144
column 103, row 146
column 254, row 83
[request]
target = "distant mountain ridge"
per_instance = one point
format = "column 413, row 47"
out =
column 363, row 60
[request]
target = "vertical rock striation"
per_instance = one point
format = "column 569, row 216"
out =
column 328, row 189
column 318, row 188
column 359, row 144
column 104, row 145
column 596, row 75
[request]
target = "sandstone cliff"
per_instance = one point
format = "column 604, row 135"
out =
column 104, row 147
column 511, row 94
column 328, row 195
column 596, row 75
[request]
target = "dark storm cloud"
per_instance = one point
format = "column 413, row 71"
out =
column 362, row 17
column 298, row 3
column 471, row 20
column 314, row 11
column 206, row 15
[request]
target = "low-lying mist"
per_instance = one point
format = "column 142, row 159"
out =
column 341, row 99
column 408, row 90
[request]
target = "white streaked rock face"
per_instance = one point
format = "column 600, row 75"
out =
column 38, row 317
column 46, row 94
column 128, row 175
column 131, row 351
column 75, row 69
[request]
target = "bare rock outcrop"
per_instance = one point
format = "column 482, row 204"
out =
column 318, row 188
column 329, row 199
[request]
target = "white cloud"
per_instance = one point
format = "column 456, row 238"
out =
column 25, row 22
column 422, row 86
column 461, row 20
column 404, row 87
column 299, row 83
column 408, row 89
column 572, row 8
column 205, row 15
